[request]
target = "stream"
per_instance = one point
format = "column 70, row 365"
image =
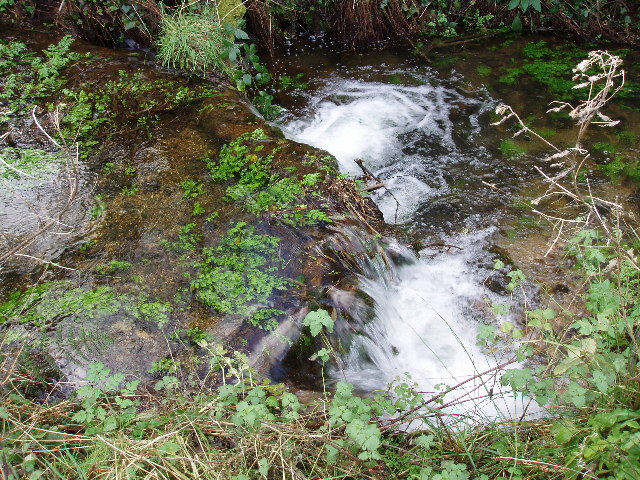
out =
column 426, row 133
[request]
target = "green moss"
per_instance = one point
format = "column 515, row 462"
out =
column 546, row 132
column 112, row 267
column 510, row 148
column 550, row 67
column 484, row 71
column 627, row 138
column 621, row 167
column 604, row 147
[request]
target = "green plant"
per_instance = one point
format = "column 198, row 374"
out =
column 88, row 245
column 297, row 81
column 98, row 209
column 41, row 77
column 112, row 267
column 197, row 209
column 484, row 71
column 131, row 190
column 239, row 273
column 587, row 367
column 198, row 42
column 259, row 187
column 165, row 365
column 509, row 148
column 36, row 163
column 192, row 188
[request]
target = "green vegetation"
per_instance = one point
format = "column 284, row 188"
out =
column 90, row 112
column 198, row 42
column 621, row 166
column 262, row 189
column 112, row 267
column 221, row 419
column 45, row 304
column 37, row 164
column 550, row 67
column 130, row 191
column 585, row 377
column 285, row 82
column 197, row 209
column 484, row 71
column 510, row 148
column 240, row 273
column 192, row 188
column 188, row 239
column 38, row 77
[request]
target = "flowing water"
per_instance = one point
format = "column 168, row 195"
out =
column 426, row 134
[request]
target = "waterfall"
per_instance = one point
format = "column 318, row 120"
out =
column 420, row 321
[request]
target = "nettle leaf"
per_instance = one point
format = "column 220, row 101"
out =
column 263, row 468
column 110, row 424
column 576, row 394
column 97, row 372
column 603, row 380
column 80, row 417
column 563, row 431
column 486, row 333
column 322, row 354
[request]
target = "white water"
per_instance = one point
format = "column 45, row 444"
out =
column 426, row 311
column 394, row 129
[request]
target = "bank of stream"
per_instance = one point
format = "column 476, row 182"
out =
column 457, row 192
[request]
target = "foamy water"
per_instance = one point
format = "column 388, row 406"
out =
column 427, row 310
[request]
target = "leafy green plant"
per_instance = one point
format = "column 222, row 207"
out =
column 198, row 209
column 192, row 188
column 112, row 267
column 36, row 163
column 240, row 273
column 98, row 209
column 42, row 76
column 131, row 190
column 259, row 187
column 510, row 148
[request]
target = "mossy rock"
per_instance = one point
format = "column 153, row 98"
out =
column 231, row 11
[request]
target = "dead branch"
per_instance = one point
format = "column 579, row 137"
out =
column 601, row 87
